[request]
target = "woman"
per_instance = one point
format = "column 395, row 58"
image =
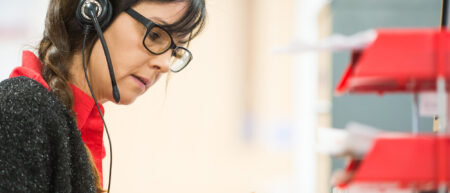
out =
column 51, row 133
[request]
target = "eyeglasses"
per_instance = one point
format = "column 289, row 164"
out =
column 158, row 40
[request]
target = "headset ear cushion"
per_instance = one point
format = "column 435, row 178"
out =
column 104, row 18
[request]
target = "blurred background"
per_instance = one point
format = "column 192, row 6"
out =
column 242, row 118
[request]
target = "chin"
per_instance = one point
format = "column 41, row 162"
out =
column 125, row 100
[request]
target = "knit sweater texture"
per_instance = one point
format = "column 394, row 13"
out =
column 40, row 146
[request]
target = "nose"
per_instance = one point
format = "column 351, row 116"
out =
column 161, row 62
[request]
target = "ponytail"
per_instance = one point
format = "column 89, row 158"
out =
column 55, row 51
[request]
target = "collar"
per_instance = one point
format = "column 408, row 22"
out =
column 31, row 68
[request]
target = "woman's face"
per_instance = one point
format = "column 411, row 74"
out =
column 135, row 68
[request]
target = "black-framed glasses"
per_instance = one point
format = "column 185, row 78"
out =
column 158, row 40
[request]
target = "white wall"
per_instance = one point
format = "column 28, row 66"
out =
column 21, row 27
column 226, row 122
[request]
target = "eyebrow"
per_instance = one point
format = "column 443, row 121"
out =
column 163, row 23
column 160, row 21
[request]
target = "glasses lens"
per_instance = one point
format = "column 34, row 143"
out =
column 157, row 40
column 180, row 58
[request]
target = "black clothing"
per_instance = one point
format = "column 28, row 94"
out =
column 40, row 146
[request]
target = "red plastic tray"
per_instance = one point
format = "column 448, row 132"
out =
column 419, row 162
column 399, row 60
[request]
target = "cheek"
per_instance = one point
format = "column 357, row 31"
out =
column 126, row 49
column 98, row 66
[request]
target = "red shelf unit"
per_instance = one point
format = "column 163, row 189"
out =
column 401, row 61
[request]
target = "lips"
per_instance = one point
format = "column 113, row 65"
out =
column 142, row 79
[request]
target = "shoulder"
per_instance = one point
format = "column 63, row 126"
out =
column 21, row 87
column 21, row 93
column 24, row 101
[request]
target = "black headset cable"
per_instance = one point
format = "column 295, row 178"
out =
column 87, row 28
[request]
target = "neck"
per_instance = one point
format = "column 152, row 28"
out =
column 77, row 78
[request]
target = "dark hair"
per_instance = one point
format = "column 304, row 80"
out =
column 63, row 38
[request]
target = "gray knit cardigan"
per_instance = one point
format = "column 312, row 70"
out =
column 40, row 146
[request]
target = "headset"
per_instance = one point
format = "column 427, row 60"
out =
column 97, row 14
